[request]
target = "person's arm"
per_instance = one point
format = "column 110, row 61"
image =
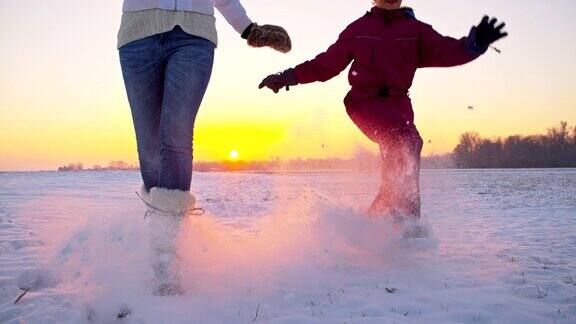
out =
column 234, row 13
column 322, row 68
column 257, row 36
column 437, row 50
column 326, row 65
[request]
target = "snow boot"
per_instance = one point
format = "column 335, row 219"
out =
column 171, row 207
column 173, row 202
column 414, row 228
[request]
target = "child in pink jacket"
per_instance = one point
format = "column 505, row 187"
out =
column 386, row 46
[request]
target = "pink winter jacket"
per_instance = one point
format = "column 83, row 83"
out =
column 386, row 48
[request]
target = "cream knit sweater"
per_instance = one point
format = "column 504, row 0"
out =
column 143, row 18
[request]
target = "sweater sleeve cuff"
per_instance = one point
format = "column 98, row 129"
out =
column 298, row 77
column 241, row 24
column 247, row 31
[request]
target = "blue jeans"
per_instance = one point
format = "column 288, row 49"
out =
column 166, row 76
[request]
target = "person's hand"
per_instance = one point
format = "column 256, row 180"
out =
column 487, row 32
column 275, row 82
column 272, row 36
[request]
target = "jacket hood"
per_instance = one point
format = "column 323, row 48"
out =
column 389, row 15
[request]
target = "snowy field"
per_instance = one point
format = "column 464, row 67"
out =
column 293, row 248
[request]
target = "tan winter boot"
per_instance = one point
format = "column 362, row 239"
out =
column 171, row 208
column 173, row 202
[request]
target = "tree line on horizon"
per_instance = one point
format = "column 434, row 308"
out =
column 112, row 166
column 555, row 149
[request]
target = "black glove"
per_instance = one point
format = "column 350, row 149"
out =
column 487, row 33
column 275, row 82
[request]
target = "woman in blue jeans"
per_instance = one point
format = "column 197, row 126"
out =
column 166, row 53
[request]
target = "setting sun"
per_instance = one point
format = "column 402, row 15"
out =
column 234, row 154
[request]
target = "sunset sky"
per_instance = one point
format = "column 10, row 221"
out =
column 62, row 98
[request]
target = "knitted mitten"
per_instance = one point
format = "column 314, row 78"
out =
column 272, row 36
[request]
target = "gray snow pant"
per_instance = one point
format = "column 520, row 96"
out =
column 399, row 193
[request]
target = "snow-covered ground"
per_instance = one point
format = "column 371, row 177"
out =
column 293, row 248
